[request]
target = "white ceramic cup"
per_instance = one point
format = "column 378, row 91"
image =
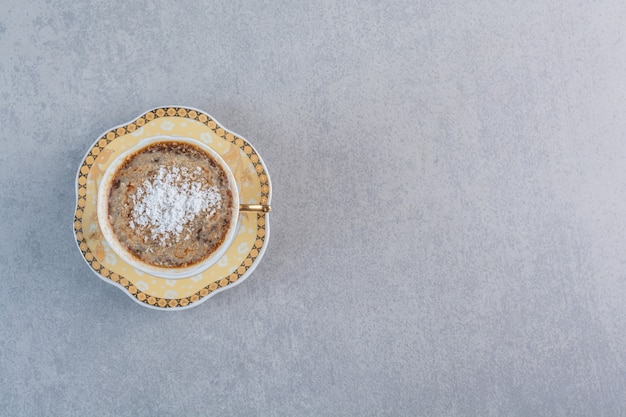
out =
column 164, row 272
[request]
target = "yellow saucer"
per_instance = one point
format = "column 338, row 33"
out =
column 246, row 250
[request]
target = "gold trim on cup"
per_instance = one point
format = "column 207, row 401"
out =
column 259, row 208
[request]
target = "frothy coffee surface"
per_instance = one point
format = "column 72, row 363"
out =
column 170, row 204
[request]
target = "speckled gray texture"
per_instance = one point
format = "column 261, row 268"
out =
column 450, row 200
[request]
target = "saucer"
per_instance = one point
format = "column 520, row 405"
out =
column 241, row 257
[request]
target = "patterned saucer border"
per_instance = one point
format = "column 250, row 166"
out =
column 242, row 257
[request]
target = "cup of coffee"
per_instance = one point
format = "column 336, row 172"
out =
column 169, row 206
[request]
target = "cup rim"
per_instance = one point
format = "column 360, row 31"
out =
column 102, row 209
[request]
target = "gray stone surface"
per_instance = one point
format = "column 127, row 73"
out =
column 449, row 191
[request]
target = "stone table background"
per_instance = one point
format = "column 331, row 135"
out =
column 450, row 207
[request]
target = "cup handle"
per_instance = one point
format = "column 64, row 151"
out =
column 262, row 208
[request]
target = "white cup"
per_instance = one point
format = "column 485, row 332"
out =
column 159, row 271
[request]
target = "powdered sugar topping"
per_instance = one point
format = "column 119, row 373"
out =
column 171, row 199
